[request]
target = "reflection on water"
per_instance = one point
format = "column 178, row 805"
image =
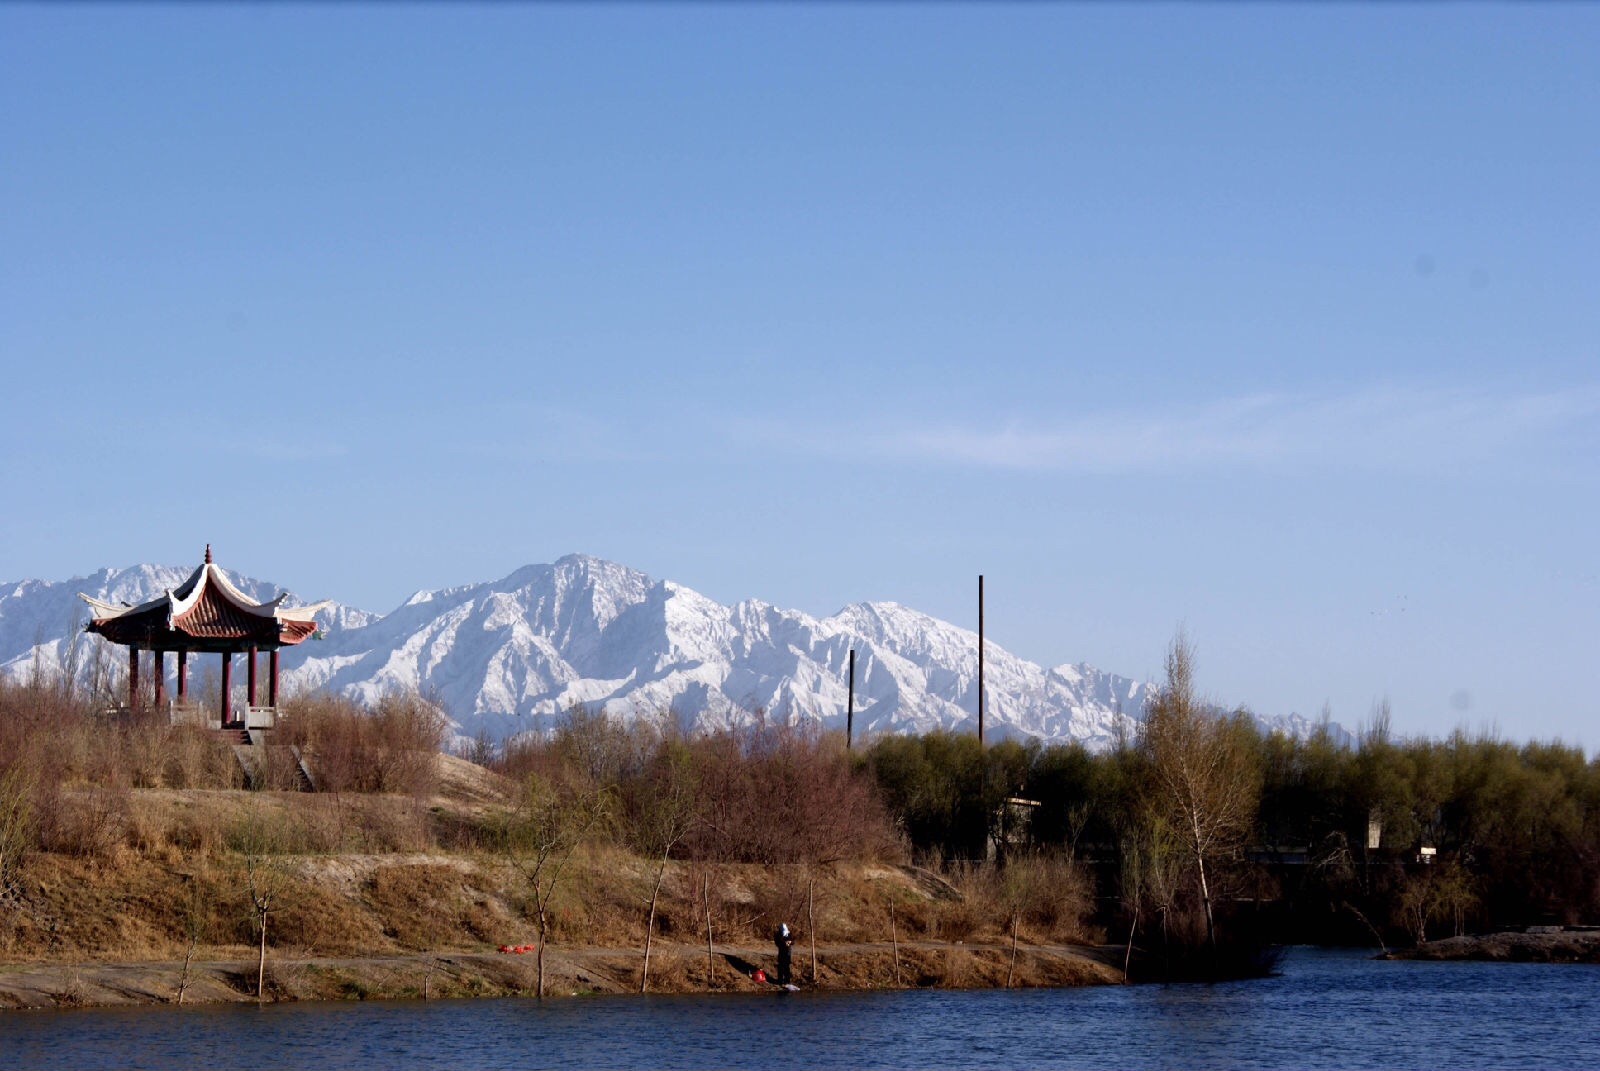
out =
column 1327, row 1009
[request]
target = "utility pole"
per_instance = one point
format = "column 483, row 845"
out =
column 850, row 710
column 980, row 659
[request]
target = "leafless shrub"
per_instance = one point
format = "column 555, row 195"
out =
column 392, row 748
column 90, row 822
column 195, row 758
column 16, row 828
column 783, row 899
column 145, row 743
column 318, row 825
column 200, row 832
column 1048, row 894
column 146, row 830
column 603, row 749
column 330, row 731
column 764, row 793
column 974, row 909
column 528, row 754
column 479, row 750
column 784, row 795
column 402, row 826
column 43, row 731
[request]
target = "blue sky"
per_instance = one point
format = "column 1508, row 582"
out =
column 1277, row 323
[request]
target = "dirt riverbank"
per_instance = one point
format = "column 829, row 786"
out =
column 568, row 972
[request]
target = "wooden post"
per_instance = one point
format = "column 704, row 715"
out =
column 250, row 676
column 160, row 660
column 261, row 963
column 850, row 710
column 1016, row 915
column 272, row 678
column 811, row 924
column 980, row 660
column 133, row 677
column 183, row 675
column 705, row 891
column 894, row 940
column 227, row 685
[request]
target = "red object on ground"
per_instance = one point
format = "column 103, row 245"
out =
column 759, row 975
column 505, row 948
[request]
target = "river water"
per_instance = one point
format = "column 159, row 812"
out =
column 1327, row 1009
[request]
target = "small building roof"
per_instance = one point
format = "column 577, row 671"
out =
column 204, row 613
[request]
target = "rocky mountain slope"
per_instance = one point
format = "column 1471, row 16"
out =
column 515, row 654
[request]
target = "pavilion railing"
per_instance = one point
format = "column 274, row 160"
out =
column 191, row 714
column 239, row 715
column 256, row 717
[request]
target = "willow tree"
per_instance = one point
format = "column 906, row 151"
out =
column 1205, row 783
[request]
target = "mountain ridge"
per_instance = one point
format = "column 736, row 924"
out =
column 513, row 655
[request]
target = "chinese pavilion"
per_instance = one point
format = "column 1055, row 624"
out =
column 205, row 614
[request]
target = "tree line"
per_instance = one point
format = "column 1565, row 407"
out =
column 1203, row 814
column 1200, row 831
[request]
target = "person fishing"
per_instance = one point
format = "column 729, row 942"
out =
column 784, row 939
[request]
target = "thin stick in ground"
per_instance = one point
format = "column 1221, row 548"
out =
column 650, row 923
column 894, row 940
column 811, row 924
column 1010, row 974
column 705, row 891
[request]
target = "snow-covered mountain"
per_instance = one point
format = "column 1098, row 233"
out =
column 515, row 654
column 41, row 622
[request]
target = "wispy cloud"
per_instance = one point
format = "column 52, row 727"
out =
column 1387, row 428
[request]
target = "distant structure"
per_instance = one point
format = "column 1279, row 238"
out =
column 205, row 614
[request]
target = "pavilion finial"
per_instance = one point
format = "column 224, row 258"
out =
column 208, row 553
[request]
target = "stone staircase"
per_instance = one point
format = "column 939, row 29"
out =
column 252, row 752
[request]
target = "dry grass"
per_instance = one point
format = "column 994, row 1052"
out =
column 414, row 901
column 133, row 906
column 126, row 874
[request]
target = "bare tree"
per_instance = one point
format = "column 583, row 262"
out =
column 662, row 813
column 1204, row 778
column 264, row 881
column 550, row 820
column 103, row 675
column 70, row 658
column 196, row 918
column 1150, row 871
column 1430, row 893
column 1018, row 888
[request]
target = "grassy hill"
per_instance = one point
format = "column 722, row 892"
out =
column 393, row 895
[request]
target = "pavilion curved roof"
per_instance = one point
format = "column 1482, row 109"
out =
column 204, row 613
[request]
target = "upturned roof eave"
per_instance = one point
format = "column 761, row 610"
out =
column 289, row 625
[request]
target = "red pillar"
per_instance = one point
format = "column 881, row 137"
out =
column 272, row 680
column 251, row 692
column 227, row 684
column 160, row 659
column 133, row 678
column 183, row 675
